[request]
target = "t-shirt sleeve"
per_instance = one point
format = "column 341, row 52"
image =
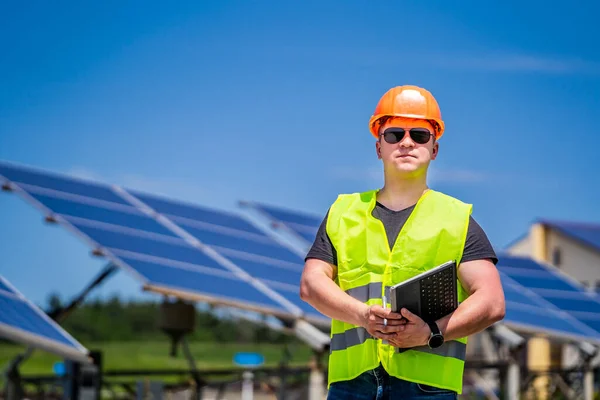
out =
column 322, row 248
column 478, row 246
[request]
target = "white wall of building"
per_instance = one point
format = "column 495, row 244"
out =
column 575, row 259
column 522, row 247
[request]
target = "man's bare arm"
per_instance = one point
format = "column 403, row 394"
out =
column 482, row 308
column 318, row 288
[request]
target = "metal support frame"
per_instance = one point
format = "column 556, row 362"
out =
column 513, row 375
column 200, row 383
column 317, row 376
column 14, row 389
column 588, row 353
column 572, row 383
column 496, row 372
column 62, row 313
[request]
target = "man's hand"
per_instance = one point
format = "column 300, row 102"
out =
column 373, row 322
column 415, row 332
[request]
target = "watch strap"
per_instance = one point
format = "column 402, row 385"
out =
column 435, row 329
column 436, row 339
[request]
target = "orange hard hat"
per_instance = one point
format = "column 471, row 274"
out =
column 410, row 102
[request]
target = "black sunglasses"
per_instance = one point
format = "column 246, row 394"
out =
column 418, row 135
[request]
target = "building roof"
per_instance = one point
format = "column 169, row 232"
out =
column 586, row 233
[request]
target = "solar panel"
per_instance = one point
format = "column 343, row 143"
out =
column 76, row 210
column 208, row 282
column 302, row 224
column 171, row 246
column 247, row 247
column 26, row 176
column 23, row 322
column 6, row 288
column 539, row 296
column 202, row 216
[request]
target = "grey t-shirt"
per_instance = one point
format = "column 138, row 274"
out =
column 477, row 245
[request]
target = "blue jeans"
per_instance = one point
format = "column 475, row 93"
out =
column 378, row 385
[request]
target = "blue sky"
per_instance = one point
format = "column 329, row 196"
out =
column 264, row 101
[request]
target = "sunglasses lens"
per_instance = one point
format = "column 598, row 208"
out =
column 393, row 136
column 420, row 136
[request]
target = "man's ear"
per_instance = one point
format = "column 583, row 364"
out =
column 378, row 149
column 435, row 151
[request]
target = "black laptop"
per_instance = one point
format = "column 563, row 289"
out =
column 430, row 295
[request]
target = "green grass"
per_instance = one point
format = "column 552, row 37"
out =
column 155, row 355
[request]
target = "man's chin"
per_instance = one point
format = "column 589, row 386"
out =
column 406, row 168
column 408, row 171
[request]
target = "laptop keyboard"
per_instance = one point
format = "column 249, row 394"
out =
column 438, row 295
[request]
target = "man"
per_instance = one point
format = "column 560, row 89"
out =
column 373, row 240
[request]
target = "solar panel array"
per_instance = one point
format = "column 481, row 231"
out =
column 215, row 256
column 564, row 302
column 22, row 322
column 172, row 247
column 538, row 299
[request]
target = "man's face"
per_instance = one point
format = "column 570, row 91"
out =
column 407, row 157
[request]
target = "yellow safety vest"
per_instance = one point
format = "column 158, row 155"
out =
column 434, row 233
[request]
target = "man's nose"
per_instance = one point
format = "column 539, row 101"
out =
column 407, row 141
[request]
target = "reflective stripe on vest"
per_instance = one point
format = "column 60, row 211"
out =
column 356, row 336
column 434, row 233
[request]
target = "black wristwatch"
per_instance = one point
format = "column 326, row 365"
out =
column 436, row 339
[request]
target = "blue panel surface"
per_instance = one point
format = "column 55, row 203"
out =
column 519, row 262
column 557, row 295
column 263, row 247
column 18, row 314
column 294, row 298
column 592, row 322
column 63, row 184
column 4, row 287
column 546, row 282
column 284, row 274
column 22, row 322
column 134, row 219
column 543, row 320
column 524, row 308
column 194, row 212
column 178, row 251
column 201, row 282
column 302, row 224
column 290, row 216
column 582, row 303
column 308, row 234
column 519, row 295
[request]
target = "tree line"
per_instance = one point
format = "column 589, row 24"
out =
column 114, row 319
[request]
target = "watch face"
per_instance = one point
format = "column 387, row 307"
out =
column 436, row 341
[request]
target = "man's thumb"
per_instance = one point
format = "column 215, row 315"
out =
column 407, row 314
